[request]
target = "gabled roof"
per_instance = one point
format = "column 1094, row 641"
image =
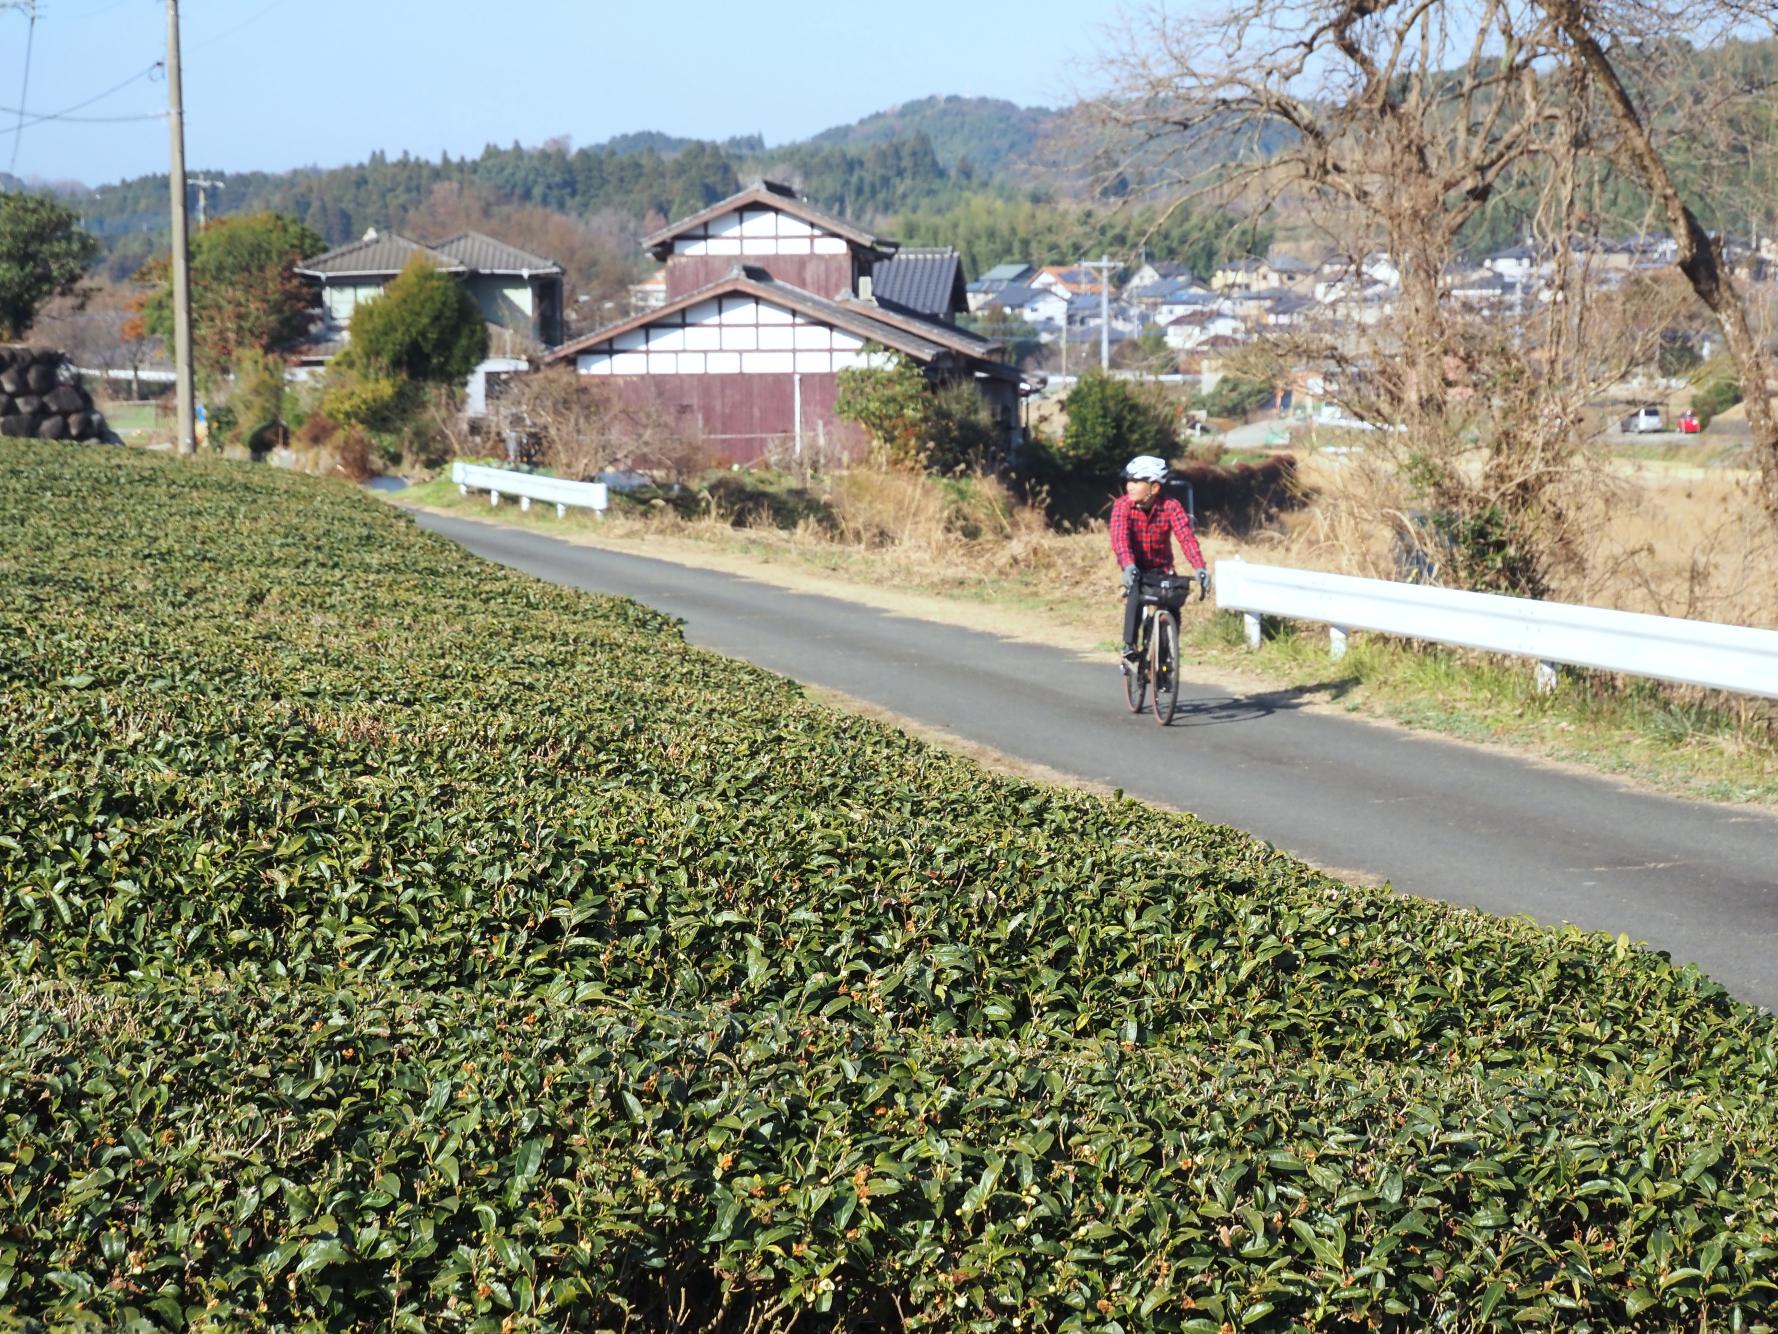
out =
column 1008, row 273
column 1073, row 278
column 1024, row 296
column 924, row 340
column 1285, row 264
column 1172, row 289
column 377, row 255
column 766, row 194
column 483, row 254
column 925, row 280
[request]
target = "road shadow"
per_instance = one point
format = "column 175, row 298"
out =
column 1211, row 712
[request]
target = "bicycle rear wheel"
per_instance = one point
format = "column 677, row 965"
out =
column 1164, row 675
column 1136, row 678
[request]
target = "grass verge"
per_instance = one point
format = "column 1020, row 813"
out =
column 1059, row 589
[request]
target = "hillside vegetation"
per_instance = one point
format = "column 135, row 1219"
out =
column 388, row 940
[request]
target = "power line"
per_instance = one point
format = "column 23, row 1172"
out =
column 39, row 117
column 247, row 22
column 18, row 136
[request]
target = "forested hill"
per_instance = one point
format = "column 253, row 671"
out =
column 876, row 169
column 974, row 135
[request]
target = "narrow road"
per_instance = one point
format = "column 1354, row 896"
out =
column 1435, row 818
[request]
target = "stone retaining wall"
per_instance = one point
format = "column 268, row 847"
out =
column 40, row 397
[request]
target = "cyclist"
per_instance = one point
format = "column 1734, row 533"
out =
column 1143, row 526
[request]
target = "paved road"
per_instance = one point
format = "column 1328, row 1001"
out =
column 1433, row 817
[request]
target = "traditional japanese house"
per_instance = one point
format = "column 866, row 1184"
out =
column 768, row 299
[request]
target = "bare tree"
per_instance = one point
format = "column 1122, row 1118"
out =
column 577, row 431
column 1591, row 32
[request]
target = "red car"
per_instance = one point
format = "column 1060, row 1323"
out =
column 1688, row 423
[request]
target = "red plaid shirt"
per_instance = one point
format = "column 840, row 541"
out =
column 1144, row 538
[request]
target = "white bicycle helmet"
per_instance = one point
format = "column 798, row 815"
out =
column 1145, row 468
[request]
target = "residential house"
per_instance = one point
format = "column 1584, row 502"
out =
column 1089, row 309
column 1293, row 275
column 1191, row 331
column 1156, row 296
column 1152, row 273
column 768, row 300
column 1260, row 274
column 1284, row 311
column 996, row 280
column 1183, row 301
column 1043, row 308
column 1486, row 290
column 1520, row 263
column 519, row 294
column 1070, row 280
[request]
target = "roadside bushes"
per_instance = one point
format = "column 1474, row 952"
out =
column 391, row 940
column 943, row 429
column 1715, row 397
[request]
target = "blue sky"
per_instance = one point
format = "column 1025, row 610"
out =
column 274, row 84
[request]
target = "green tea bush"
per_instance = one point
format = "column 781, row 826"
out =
column 388, row 940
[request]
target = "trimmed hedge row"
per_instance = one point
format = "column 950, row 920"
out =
column 280, row 777
column 190, row 1153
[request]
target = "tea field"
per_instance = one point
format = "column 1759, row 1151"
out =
column 391, row 941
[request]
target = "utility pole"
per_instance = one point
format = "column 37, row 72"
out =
column 188, row 435
column 204, row 185
column 1105, row 267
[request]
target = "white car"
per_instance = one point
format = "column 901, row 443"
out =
column 1644, row 421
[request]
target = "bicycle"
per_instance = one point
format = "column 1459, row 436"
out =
column 1157, row 648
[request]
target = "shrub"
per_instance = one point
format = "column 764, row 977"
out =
column 258, row 400
column 1717, row 396
column 1110, row 421
column 374, row 402
column 945, row 429
column 1234, row 396
column 425, row 327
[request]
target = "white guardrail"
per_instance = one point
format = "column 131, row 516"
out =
column 1701, row 653
column 527, row 487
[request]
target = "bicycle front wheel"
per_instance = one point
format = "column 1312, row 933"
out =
column 1136, row 680
column 1164, row 671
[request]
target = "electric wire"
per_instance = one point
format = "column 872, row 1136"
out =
column 18, row 136
column 247, row 22
column 65, row 114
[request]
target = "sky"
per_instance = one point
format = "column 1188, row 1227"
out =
column 276, row 84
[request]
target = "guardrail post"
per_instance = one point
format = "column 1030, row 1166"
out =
column 1336, row 642
column 1250, row 620
column 561, row 510
column 462, row 490
column 493, row 497
column 524, row 504
column 1546, row 677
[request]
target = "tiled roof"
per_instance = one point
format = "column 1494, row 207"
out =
column 927, row 281
column 924, row 326
column 1008, row 273
column 376, row 253
column 767, row 194
column 1021, row 296
column 483, row 254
